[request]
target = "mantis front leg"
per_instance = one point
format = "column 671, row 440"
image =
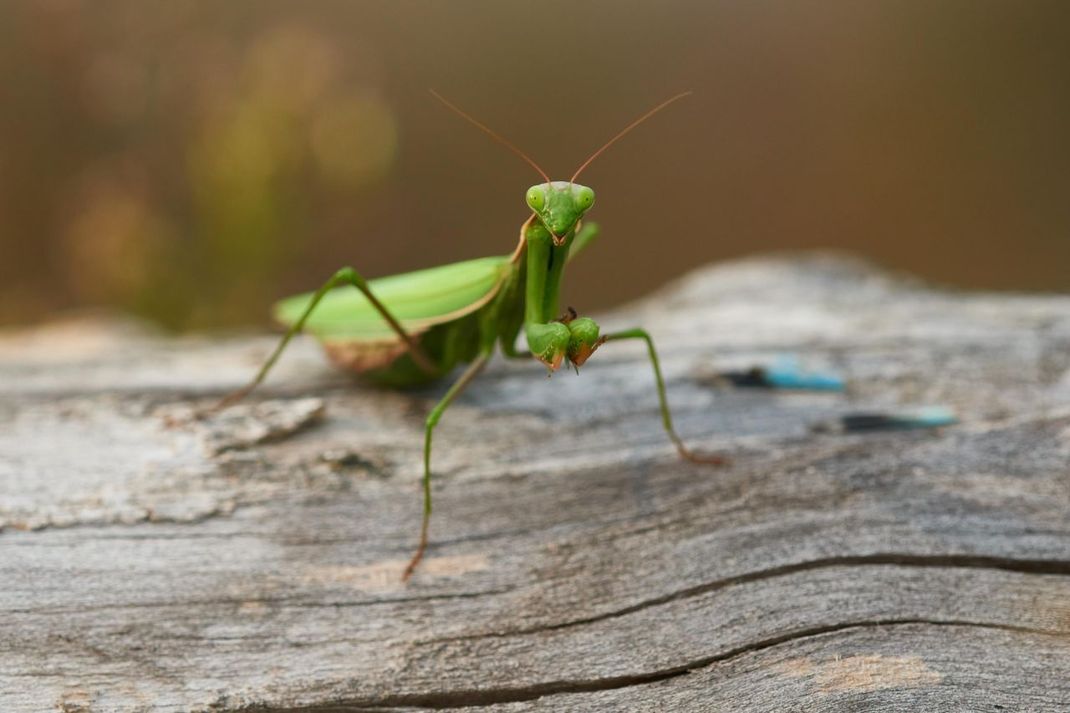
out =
column 547, row 338
column 432, row 420
column 345, row 276
column 663, row 402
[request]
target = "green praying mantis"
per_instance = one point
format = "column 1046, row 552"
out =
column 413, row 328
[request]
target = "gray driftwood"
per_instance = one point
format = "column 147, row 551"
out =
column 251, row 562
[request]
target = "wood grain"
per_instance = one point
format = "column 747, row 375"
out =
column 251, row 562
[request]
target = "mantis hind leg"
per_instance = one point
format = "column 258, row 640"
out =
column 663, row 402
column 432, row 420
column 345, row 276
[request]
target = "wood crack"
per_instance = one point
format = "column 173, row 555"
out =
column 1007, row 564
column 476, row 698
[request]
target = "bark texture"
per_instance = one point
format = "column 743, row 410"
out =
column 251, row 562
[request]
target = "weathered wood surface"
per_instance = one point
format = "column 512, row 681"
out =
column 149, row 563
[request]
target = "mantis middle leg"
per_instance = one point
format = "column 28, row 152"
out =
column 432, row 420
column 666, row 416
column 345, row 276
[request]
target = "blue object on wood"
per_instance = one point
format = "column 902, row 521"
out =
column 907, row 419
column 785, row 374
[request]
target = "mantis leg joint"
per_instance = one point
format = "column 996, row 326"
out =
column 348, row 274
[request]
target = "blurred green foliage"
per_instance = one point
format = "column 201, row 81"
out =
column 190, row 161
column 172, row 157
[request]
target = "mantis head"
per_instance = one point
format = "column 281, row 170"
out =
column 559, row 206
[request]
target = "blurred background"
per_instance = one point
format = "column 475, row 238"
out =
column 190, row 162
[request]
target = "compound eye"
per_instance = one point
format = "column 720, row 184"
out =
column 585, row 197
column 536, row 199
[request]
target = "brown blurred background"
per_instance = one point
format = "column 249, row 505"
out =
column 191, row 161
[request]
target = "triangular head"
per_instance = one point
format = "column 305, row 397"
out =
column 559, row 206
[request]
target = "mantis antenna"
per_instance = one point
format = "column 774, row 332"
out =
column 494, row 135
column 625, row 130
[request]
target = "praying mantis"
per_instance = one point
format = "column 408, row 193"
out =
column 416, row 327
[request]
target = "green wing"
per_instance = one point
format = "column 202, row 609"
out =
column 418, row 300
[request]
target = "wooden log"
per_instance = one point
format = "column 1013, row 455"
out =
column 251, row 562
